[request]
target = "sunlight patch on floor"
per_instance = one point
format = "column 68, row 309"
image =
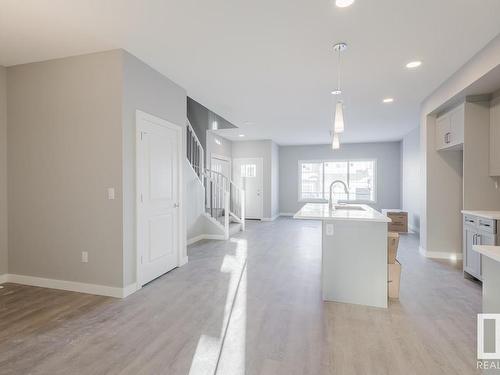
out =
column 209, row 348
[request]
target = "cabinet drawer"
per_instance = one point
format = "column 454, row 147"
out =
column 397, row 227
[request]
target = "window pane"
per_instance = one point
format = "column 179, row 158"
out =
column 311, row 180
column 361, row 180
column 248, row 170
column 335, row 170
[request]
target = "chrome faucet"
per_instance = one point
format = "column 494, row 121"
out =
column 330, row 200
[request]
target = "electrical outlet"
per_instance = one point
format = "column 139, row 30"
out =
column 329, row 229
column 85, row 257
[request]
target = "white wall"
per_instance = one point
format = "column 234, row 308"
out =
column 410, row 177
column 64, row 151
column 262, row 149
column 3, row 172
column 388, row 159
column 217, row 145
column 441, row 182
column 147, row 90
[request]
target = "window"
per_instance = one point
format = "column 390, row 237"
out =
column 315, row 178
column 248, row 170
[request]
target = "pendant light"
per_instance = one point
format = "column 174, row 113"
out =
column 339, row 118
column 335, row 141
column 339, row 107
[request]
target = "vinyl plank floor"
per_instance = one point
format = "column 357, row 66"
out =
column 250, row 305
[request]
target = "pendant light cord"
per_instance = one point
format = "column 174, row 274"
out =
column 338, row 71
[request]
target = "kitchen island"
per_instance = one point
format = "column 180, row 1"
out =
column 354, row 252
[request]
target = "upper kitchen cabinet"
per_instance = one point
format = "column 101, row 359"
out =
column 450, row 129
column 495, row 137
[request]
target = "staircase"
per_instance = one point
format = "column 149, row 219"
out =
column 224, row 200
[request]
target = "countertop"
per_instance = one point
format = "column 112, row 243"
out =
column 492, row 252
column 495, row 215
column 320, row 211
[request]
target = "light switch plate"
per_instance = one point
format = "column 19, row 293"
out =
column 111, row 193
column 85, row 257
column 329, row 229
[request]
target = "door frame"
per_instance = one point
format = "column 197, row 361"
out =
column 261, row 159
column 140, row 115
column 225, row 158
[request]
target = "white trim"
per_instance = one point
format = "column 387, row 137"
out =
column 4, row 278
column 439, row 254
column 72, row 286
column 195, row 239
column 270, row 218
column 414, row 229
column 181, row 225
column 184, row 260
column 286, row 214
column 219, row 237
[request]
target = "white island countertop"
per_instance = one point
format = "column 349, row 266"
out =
column 495, row 215
column 355, row 212
column 492, row 252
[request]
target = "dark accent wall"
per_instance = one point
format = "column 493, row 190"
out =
column 201, row 119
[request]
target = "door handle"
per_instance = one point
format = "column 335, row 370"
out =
column 474, row 239
column 176, row 205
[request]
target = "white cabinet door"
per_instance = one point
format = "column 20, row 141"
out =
column 450, row 128
column 457, row 122
column 495, row 137
column 472, row 260
column 442, row 131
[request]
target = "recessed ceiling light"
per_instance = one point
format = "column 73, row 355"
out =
column 388, row 100
column 241, row 135
column 336, row 92
column 413, row 64
column 343, row 3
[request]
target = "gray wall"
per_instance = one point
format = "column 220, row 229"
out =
column 410, row 177
column 65, row 150
column 260, row 149
column 275, row 180
column 3, row 171
column 388, row 159
column 147, row 90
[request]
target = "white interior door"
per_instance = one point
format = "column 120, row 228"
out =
column 158, row 197
column 248, row 173
column 221, row 165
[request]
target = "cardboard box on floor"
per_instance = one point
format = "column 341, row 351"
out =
column 392, row 246
column 394, row 279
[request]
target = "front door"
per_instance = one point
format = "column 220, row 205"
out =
column 158, row 196
column 248, row 173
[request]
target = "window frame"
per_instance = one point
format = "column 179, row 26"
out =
column 323, row 161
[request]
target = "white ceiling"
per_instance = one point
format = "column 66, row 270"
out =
column 267, row 65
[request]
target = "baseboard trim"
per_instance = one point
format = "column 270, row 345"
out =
column 439, row 254
column 286, row 214
column 3, row 278
column 193, row 240
column 414, row 229
column 270, row 218
column 72, row 286
column 183, row 261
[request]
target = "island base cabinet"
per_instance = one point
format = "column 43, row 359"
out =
column 354, row 262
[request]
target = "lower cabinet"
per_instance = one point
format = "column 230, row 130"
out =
column 472, row 260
